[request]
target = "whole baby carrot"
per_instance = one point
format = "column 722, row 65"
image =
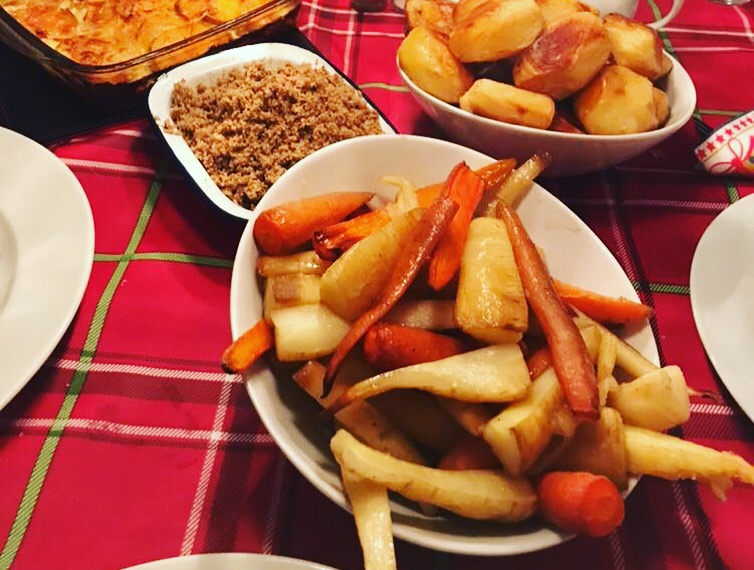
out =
column 388, row 346
column 465, row 187
column 570, row 360
column 283, row 228
column 247, row 348
column 602, row 308
column 580, row 502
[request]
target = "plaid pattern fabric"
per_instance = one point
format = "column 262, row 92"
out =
column 129, row 445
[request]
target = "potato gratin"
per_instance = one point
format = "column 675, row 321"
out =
column 101, row 32
column 456, row 371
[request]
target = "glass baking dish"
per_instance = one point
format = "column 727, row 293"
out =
column 122, row 83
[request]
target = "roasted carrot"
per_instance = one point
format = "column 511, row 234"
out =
column 469, row 452
column 580, row 502
column 285, row 227
column 601, row 308
column 465, row 187
column 421, row 243
column 570, row 360
column 492, row 174
column 247, row 348
column 331, row 241
column 388, row 346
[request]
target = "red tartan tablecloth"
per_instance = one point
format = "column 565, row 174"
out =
column 156, row 453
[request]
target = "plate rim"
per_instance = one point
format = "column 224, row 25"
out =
column 307, row 466
column 71, row 303
column 698, row 261
column 177, row 562
column 158, row 103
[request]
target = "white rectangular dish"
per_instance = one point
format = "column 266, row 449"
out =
column 209, row 69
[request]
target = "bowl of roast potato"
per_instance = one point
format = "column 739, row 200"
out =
column 517, row 77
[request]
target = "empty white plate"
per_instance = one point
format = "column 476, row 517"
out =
column 722, row 298
column 46, row 253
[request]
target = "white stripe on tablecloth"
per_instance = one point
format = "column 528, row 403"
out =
column 108, row 166
column 315, row 7
column 616, row 550
column 68, row 364
column 745, row 22
column 713, row 49
column 209, row 461
column 273, row 514
column 705, row 32
column 616, row 230
column 141, row 432
column 688, row 526
column 712, row 409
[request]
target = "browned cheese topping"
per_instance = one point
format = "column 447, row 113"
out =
column 254, row 123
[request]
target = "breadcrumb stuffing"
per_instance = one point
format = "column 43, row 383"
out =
column 252, row 124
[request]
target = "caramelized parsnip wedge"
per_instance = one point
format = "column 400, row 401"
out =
column 476, row 494
column 307, row 262
column 651, row 453
column 374, row 525
column 306, row 332
column 491, row 374
column 521, row 431
column 490, row 303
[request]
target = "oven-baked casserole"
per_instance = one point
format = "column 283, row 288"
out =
column 103, row 32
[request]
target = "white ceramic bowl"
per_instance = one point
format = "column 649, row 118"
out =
column 289, row 414
column 572, row 153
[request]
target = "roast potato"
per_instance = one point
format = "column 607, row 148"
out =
column 555, row 10
column 427, row 60
column 636, row 46
column 617, row 102
column 436, row 15
column 489, row 30
column 565, row 57
column 509, row 104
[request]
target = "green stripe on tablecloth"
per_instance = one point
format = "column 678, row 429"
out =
column 732, row 192
column 719, row 112
column 44, row 459
column 669, row 288
column 203, row 260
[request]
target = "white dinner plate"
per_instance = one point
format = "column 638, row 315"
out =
column 230, row 561
column 46, row 253
column 208, row 69
column 574, row 254
column 722, row 298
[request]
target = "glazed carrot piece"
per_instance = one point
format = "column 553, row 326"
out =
column 285, row 227
column 387, row 346
column 331, row 241
column 580, row 502
column 421, row 243
column 465, row 187
column 493, row 176
column 601, row 308
column 469, row 452
column 247, row 348
column 570, row 360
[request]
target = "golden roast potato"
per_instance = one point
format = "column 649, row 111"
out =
column 508, row 104
column 565, row 57
column 636, row 46
column 437, row 15
column 620, row 101
column 488, row 30
column 425, row 58
column 554, row 10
